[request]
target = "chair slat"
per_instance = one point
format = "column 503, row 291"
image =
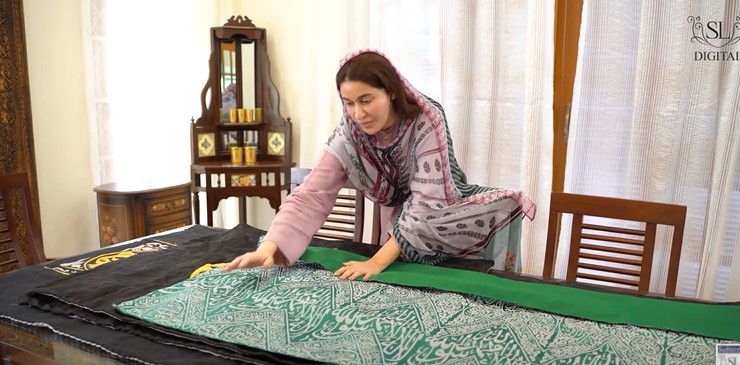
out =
column 8, row 262
column 597, row 227
column 345, row 213
column 626, row 241
column 615, row 270
column 339, row 229
column 20, row 232
column 609, row 279
column 613, row 259
column 344, row 205
column 330, row 236
column 347, row 218
column 611, row 249
column 331, row 219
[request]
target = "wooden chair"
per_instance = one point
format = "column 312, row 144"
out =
column 20, row 236
column 347, row 219
column 608, row 255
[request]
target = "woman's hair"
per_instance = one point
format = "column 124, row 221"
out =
column 375, row 70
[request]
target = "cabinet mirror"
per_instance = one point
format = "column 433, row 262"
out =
column 237, row 70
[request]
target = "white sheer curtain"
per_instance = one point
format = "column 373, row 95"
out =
column 650, row 121
column 497, row 82
column 142, row 103
column 490, row 65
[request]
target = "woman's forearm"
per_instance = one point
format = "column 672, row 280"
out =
column 387, row 254
column 375, row 265
column 306, row 209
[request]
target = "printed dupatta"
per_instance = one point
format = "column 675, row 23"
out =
column 439, row 214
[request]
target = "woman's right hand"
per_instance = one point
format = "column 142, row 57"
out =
column 266, row 255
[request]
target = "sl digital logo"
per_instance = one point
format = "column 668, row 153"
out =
column 716, row 34
column 727, row 354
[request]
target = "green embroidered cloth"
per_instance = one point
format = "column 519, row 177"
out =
column 721, row 320
column 305, row 311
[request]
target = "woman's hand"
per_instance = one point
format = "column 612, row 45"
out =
column 266, row 255
column 375, row 265
column 354, row 269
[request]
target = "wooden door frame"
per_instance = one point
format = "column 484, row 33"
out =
column 567, row 32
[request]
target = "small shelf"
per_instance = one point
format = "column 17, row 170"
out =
column 239, row 126
column 226, row 164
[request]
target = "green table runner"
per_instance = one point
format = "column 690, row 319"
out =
column 707, row 319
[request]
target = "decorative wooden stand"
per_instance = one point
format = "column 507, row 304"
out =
column 239, row 80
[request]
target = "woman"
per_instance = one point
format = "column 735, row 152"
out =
column 392, row 144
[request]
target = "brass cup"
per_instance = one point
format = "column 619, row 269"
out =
column 258, row 114
column 250, row 115
column 250, row 155
column 232, row 115
column 242, row 115
column 237, row 155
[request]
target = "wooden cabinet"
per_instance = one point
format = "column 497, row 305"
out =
column 131, row 210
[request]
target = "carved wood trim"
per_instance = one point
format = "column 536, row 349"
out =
column 16, row 131
column 239, row 21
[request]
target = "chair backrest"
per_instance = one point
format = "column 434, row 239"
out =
column 20, row 236
column 346, row 220
column 608, row 255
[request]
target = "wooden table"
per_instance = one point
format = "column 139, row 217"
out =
column 48, row 344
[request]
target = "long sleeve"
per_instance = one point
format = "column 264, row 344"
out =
column 387, row 216
column 306, row 209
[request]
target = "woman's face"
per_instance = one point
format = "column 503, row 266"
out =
column 369, row 107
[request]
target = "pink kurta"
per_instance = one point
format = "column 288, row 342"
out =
column 306, row 209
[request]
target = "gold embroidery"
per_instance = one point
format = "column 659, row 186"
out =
column 89, row 263
column 206, row 267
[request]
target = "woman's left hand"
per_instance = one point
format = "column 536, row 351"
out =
column 354, row 269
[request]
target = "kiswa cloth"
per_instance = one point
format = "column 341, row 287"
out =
column 440, row 214
column 74, row 297
column 306, row 311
